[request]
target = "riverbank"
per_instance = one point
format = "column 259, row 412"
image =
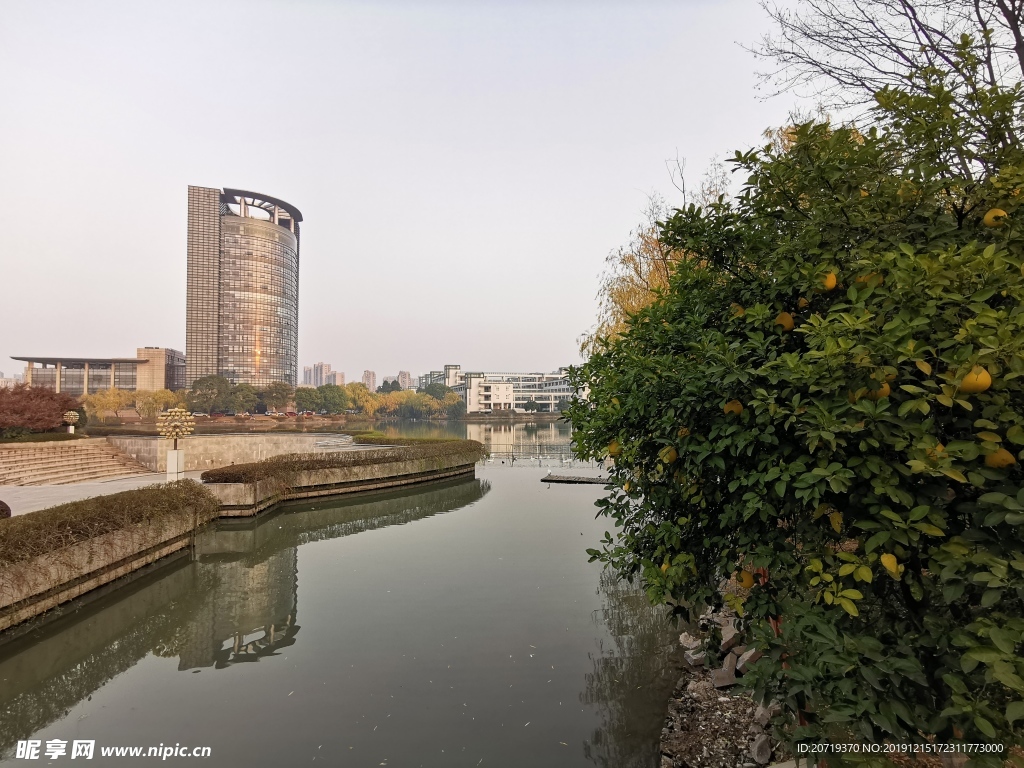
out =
column 54, row 555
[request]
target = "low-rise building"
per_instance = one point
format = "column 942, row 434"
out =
column 152, row 368
column 500, row 391
column 336, row 377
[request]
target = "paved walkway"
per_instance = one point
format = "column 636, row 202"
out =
column 29, row 498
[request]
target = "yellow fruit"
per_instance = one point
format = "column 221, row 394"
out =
column 614, row 449
column 683, row 432
column 745, row 579
column 668, row 454
column 733, row 406
column 828, row 281
column 1000, row 459
column 870, row 278
column 978, row 380
column 737, row 310
column 863, row 193
column 625, row 486
column 803, row 303
column 785, row 320
column 882, row 391
column 994, row 218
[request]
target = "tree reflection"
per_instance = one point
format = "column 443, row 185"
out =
column 635, row 670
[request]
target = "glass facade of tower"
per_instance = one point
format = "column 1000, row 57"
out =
column 259, row 289
column 243, row 295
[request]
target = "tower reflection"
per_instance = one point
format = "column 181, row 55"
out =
column 236, row 601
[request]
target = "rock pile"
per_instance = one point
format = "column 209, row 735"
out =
column 707, row 724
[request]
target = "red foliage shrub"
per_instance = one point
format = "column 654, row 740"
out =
column 33, row 408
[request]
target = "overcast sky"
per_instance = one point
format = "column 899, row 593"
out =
column 463, row 168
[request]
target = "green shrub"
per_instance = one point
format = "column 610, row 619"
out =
column 759, row 420
column 48, row 530
column 283, row 468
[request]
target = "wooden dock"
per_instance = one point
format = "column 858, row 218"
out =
column 574, row 479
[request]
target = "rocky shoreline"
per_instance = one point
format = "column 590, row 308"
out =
column 710, row 722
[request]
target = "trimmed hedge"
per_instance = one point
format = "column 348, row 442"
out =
column 285, row 466
column 48, row 530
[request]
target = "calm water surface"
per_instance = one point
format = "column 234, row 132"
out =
column 456, row 624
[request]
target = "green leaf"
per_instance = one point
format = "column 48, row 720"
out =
column 928, row 529
column 955, row 683
column 863, row 573
column 984, row 653
column 1014, row 711
column 985, row 727
column 1015, row 434
column 877, row 540
column 1009, row 679
column 1004, row 640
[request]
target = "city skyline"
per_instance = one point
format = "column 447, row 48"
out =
column 521, row 157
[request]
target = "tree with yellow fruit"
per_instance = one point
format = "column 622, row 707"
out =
column 863, row 447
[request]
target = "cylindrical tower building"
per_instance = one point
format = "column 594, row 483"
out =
column 242, row 318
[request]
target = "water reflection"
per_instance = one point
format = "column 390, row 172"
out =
column 521, row 441
column 631, row 680
column 237, row 602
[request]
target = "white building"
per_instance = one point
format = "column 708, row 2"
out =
column 370, row 380
column 336, row 377
column 496, row 391
column 405, row 380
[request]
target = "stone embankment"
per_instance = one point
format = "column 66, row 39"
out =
column 247, row 490
column 55, row 555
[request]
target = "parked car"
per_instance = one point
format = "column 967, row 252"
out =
column 289, row 413
column 197, row 413
column 308, row 413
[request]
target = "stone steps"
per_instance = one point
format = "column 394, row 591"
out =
column 65, row 463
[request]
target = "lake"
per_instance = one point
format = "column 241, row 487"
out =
column 452, row 624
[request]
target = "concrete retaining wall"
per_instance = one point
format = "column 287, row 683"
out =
column 212, row 451
column 37, row 585
column 34, row 586
column 246, row 499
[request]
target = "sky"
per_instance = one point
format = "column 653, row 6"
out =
column 463, row 168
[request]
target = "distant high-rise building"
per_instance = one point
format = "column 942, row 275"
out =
column 405, row 380
column 307, row 375
column 370, row 380
column 320, row 371
column 242, row 305
column 336, row 377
